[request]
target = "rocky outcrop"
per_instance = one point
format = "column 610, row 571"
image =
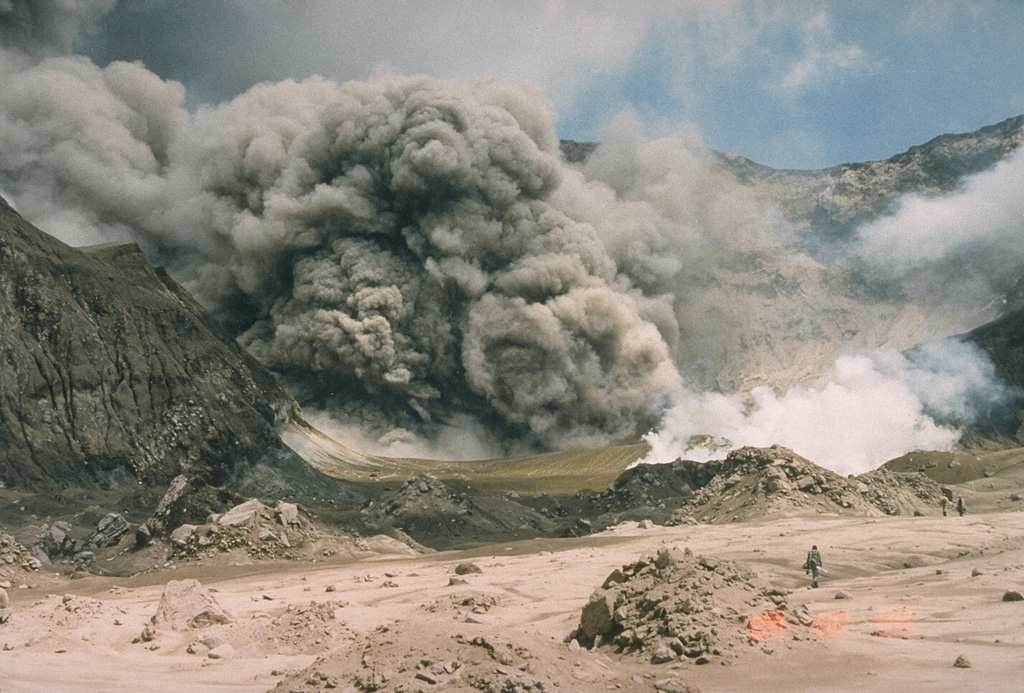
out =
column 261, row 532
column 15, row 558
column 113, row 373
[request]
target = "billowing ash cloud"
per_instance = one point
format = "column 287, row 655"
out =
column 399, row 234
column 416, row 259
column 394, row 237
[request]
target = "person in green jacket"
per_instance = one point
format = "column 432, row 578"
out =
column 813, row 564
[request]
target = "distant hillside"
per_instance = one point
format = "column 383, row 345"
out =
column 112, row 373
column 834, row 201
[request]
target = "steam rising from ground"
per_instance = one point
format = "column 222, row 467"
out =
column 418, row 260
column 871, row 408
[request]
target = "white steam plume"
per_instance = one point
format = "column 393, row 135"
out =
column 972, row 235
column 871, row 408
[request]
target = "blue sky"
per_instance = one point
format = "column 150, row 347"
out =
column 790, row 84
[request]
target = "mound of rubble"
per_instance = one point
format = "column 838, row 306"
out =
column 261, row 532
column 900, row 493
column 646, row 491
column 761, row 482
column 678, row 606
column 393, row 658
column 67, row 618
column 309, row 628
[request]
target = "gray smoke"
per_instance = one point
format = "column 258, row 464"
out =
column 416, row 258
column 39, row 27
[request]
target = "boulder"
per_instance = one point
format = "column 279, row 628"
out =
column 182, row 534
column 186, row 604
column 616, row 577
column 55, row 541
column 671, row 556
column 143, row 535
column 243, row 515
column 110, row 530
column 287, row 513
column 467, row 568
column 1013, row 596
column 178, row 487
column 597, row 616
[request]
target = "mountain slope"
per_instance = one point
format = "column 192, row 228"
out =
column 834, row 201
column 112, row 373
column 1003, row 341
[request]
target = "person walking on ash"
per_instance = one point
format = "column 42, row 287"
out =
column 813, row 564
column 960, row 506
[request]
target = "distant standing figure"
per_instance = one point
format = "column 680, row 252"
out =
column 960, row 507
column 813, row 564
column 943, row 501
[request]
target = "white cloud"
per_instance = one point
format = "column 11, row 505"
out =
column 823, row 58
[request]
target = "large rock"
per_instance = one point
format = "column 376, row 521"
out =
column 186, row 604
column 598, row 615
column 111, row 528
column 181, row 535
column 287, row 513
column 243, row 515
column 677, row 605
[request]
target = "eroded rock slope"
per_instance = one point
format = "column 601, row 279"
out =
column 113, row 373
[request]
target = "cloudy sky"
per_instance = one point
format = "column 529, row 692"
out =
column 793, row 84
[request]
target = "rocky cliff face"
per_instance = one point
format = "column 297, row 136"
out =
column 111, row 373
